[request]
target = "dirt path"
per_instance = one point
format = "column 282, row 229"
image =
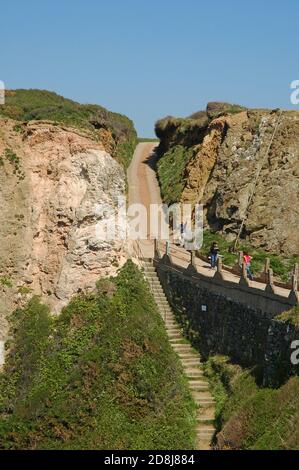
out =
column 143, row 186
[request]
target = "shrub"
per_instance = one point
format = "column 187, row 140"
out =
column 102, row 375
column 171, row 170
column 27, row 105
column 5, row 281
column 251, row 417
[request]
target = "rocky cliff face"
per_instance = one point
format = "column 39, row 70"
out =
column 230, row 150
column 52, row 178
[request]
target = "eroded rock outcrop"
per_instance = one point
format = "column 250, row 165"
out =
column 230, row 150
column 199, row 169
column 51, row 180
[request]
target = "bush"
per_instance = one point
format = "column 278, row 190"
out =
column 102, row 375
column 5, row 281
column 171, row 170
column 251, row 417
column 27, row 105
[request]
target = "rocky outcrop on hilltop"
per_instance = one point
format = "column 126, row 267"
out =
column 230, row 150
column 115, row 131
column 52, row 178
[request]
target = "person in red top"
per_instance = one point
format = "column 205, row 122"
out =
column 247, row 260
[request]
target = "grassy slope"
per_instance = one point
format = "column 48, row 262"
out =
column 251, row 417
column 100, row 376
column 171, row 169
column 26, row 105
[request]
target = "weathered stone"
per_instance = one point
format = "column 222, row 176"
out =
column 228, row 154
column 49, row 213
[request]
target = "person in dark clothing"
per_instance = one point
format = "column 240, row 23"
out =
column 213, row 255
column 182, row 229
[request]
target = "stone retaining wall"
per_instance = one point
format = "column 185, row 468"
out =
column 223, row 317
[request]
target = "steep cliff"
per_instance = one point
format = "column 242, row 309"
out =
column 227, row 148
column 53, row 176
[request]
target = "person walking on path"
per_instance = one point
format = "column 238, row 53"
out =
column 213, row 255
column 247, row 260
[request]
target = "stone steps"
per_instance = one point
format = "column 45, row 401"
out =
column 205, row 431
column 193, row 372
column 191, row 363
column 188, row 355
column 173, row 335
column 198, row 385
column 167, row 317
column 188, row 364
column 181, row 347
column 206, row 416
column 203, row 445
column 173, row 328
column 188, row 361
column 164, row 305
column 203, row 398
column 178, row 341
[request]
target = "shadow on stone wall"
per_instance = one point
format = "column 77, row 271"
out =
column 236, row 320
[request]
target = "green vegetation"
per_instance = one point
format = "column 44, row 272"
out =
column 100, row 376
column 5, row 281
column 171, row 169
column 184, row 131
column 147, row 139
column 12, row 157
column 124, row 152
column 23, row 290
column 291, row 316
column 14, row 160
column 215, row 109
column 18, row 128
column 193, row 126
column 251, row 417
column 282, row 266
column 27, row 105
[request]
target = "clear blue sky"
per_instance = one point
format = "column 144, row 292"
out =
column 151, row 58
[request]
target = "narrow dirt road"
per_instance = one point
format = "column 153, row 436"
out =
column 144, row 189
column 143, row 186
column 142, row 181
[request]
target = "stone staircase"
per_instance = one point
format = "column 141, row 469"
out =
column 190, row 360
